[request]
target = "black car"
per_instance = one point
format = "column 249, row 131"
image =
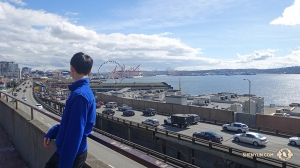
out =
column 149, row 112
column 208, row 135
column 108, row 111
column 124, row 107
column 128, row 113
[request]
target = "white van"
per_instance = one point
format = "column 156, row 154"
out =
column 111, row 105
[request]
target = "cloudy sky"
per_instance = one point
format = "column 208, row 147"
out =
column 155, row 34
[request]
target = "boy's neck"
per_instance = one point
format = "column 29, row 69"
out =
column 76, row 77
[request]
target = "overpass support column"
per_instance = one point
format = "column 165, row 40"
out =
column 101, row 124
column 163, row 145
column 129, row 133
column 61, row 108
column 191, row 156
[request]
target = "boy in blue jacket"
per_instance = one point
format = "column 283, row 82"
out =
column 77, row 120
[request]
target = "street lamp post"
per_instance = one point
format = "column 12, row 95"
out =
column 249, row 101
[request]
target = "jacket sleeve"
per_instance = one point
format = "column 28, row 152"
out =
column 74, row 132
column 52, row 133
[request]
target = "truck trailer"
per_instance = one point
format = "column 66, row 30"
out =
column 180, row 120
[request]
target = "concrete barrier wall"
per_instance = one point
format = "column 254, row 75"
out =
column 244, row 118
column 180, row 109
column 128, row 102
column 138, row 104
column 119, row 100
column 151, row 104
column 27, row 136
column 278, row 123
column 221, row 115
column 202, row 112
column 164, row 108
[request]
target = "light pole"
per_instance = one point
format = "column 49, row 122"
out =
column 249, row 101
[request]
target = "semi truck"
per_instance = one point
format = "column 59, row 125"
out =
column 180, row 120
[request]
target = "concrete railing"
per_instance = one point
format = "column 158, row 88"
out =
column 27, row 134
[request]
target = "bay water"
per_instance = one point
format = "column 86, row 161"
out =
column 278, row 89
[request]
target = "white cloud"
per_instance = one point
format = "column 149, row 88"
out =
column 56, row 40
column 257, row 55
column 290, row 15
column 17, row 2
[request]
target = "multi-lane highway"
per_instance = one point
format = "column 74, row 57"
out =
column 275, row 143
column 101, row 152
column 28, row 95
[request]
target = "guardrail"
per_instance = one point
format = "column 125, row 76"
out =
column 17, row 101
column 210, row 145
column 164, row 158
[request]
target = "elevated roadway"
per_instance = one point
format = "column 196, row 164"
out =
column 275, row 143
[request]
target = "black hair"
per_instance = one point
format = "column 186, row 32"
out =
column 82, row 63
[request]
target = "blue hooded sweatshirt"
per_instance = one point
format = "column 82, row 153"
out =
column 76, row 124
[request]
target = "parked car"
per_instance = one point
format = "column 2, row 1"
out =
column 111, row 105
column 108, row 111
column 235, row 126
column 294, row 141
column 208, row 135
column 149, row 112
column 251, row 137
column 151, row 121
column 124, row 107
column 24, row 98
column 39, row 106
column 128, row 113
column 196, row 118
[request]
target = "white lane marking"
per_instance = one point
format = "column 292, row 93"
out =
column 110, row 166
column 49, row 124
column 42, row 118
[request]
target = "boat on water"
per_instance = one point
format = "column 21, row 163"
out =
column 137, row 76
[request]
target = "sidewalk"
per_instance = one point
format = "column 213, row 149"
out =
column 9, row 156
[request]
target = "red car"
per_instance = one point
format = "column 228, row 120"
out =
column 100, row 102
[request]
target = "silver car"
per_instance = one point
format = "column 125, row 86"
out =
column 294, row 141
column 251, row 137
column 151, row 121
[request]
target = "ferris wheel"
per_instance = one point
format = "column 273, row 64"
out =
column 111, row 70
